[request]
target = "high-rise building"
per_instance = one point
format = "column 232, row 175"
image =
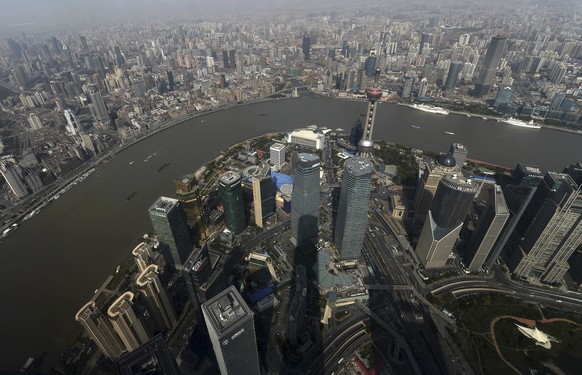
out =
column 99, row 328
column 72, row 125
column 503, row 96
column 433, row 172
column 575, row 171
column 231, row 327
column 156, row 298
column 553, row 236
column 277, row 155
column 407, row 87
column 352, row 218
column 518, row 193
column 464, row 39
column 170, row 226
column 153, row 357
column 196, row 271
column 126, row 323
column 441, row 229
column 453, row 75
column 171, row 84
column 460, row 153
column 22, row 181
column 305, row 199
column 232, row 201
column 34, row 121
column 306, row 47
column 370, row 64
column 100, row 110
column 84, row 44
column 492, row 58
column 263, row 195
column 119, row 56
column 487, row 231
column 142, row 254
column 188, row 193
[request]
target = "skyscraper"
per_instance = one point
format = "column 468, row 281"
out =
column 306, row 47
column 263, row 195
column 156, row 298
column 460, row 153
column 171, row 84
column 553, row 236
column 126, row 323
column 232, row 201
column 453, row 75
column 100, row 110
column 427, row 186
column 305, row 199
column 119, row 56
column 142, row 254
column 99, row 328
column 22, row 181
column 352, row 218
column 277, row 155
column 503, row 96
column 188, row 193
column 72, row 125
column 518, row 193
column 196, row 271
column 231, row 328
column 441, row 229
column 492, row 58
column 487, row 231
column 170, row 226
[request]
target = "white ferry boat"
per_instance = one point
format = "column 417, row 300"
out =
column 450, row 133
column 513, row 121
column 430, row 108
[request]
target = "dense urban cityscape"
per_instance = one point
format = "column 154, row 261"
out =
column 325, row 199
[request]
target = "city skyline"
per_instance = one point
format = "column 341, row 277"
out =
column 108, row 110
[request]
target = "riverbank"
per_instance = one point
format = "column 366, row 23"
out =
column 44, row 197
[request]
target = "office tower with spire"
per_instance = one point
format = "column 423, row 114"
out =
column 434, row 171
column 99, row 328
column 126, row 323
column 170, row 226
column 229, row 185
column 231, row 327
column 492, row 59
column 156, row 298
column 366, row 144
column 518, row 193
column 305, row 199
column 352, row 218
column 553, row 236
column 443, row 224
column 487, row 231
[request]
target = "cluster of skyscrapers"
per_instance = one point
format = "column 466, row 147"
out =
column 532, row 219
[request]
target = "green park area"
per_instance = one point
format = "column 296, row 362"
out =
column 474, row 315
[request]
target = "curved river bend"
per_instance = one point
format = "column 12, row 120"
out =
column 51, row 266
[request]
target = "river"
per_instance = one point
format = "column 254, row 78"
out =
column 51, row 265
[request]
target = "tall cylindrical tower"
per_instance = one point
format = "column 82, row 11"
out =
column 366, row 144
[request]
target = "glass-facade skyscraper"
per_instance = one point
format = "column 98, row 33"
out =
column 170, row 226
column 492, row 58
column 231, row 328
column 232, row 201
column 305, row 198
column 352, row 216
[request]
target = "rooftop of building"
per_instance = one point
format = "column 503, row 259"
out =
column 120, row 304
column 226, row 309
column 277, row 146
column 163, row 205
column 359, row 166
column 147, row 275
column 229, row 178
